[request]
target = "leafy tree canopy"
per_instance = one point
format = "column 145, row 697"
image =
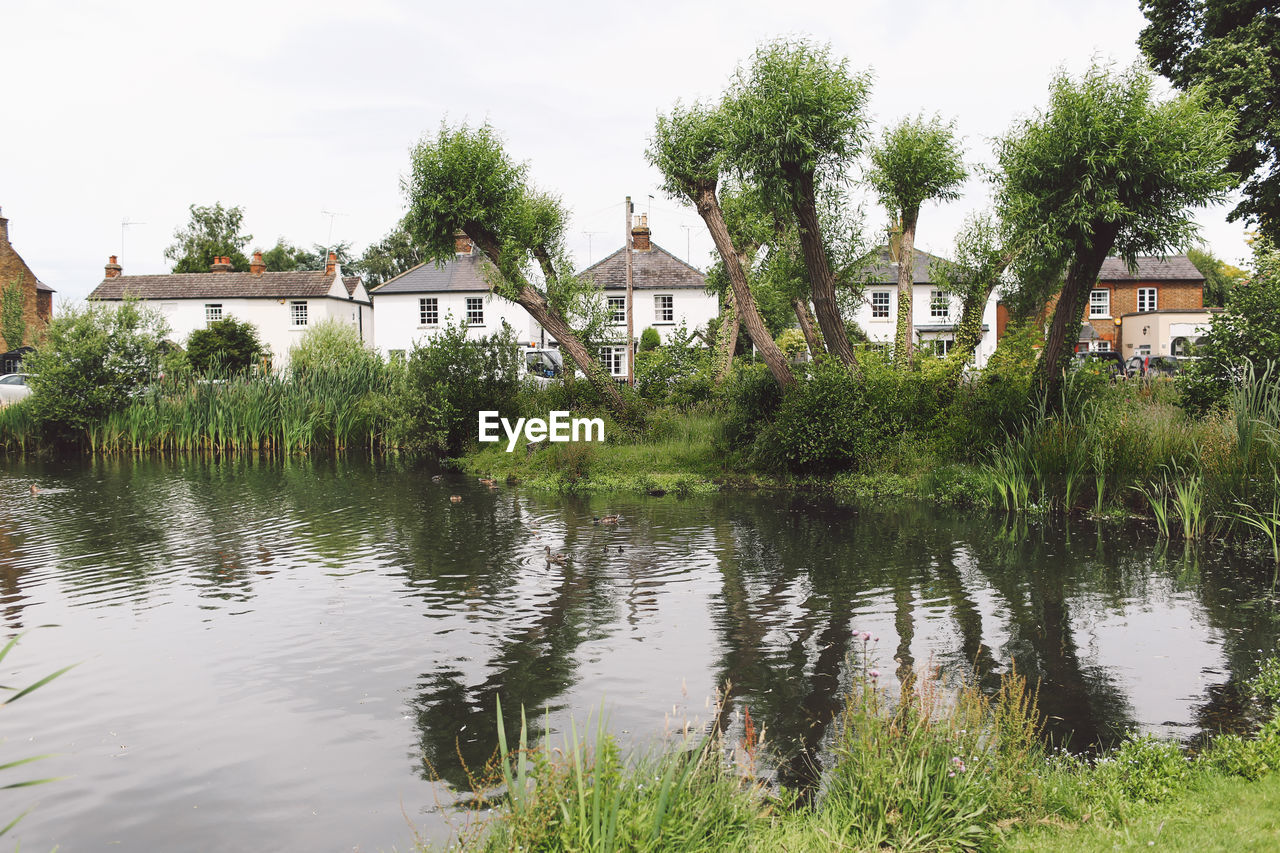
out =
column 917, row 160
column 227, row 345
column 1220, row 277
column 394, row 254
column 1231, row 50
column 212, row 232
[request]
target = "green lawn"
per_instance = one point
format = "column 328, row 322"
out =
column 1218, row 814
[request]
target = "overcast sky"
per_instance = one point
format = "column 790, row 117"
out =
column 133, row 110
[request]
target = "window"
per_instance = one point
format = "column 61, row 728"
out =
column 941, row 346
column 1146, row 299
column 618, row 309
column 664, row 309
column 298, row 313
column 611, row 358
column 939, row 304
column 1100, row 346
column 879, row 305
column 1100, row 303
column 212, row 313
column 429, row 311
column 475, row 310
column 1144, row 349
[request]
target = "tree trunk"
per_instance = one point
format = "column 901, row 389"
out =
column 536, row 304
column 822, row 280
column 709, row 209
column 904, row 339
column 1064, row 331
column 727, row 340
column 807, row 327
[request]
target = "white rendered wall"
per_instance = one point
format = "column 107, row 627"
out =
column 399, row 326
column 883, row 329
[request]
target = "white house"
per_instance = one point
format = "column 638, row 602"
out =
column 281, row 305
column 935, row 313
column 666, row 293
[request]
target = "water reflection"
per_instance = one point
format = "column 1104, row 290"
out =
column 358, row 604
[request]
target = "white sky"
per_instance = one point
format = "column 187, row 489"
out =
column 136, row 110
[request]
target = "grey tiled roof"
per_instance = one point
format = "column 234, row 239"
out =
column 40, row 285
column 350, row 282
column 1176, row 268
column 211, row 285
column 461, row 273
column 655, row 269
column 886, row 272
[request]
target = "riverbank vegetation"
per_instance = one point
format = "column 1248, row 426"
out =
column 937, row 767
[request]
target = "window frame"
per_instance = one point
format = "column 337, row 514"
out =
column 940, row 305
column 1152, row 298
column 664, row 312
column 611, row 358
column 617, row 306
column 428, row 314
column 209, row 319
column 295, row 314
column 1094, row 305
column 877, row 308
column 474, row 310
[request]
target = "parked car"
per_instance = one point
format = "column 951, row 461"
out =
column 1148, row 366
column 1112, row 359
column 13, row 387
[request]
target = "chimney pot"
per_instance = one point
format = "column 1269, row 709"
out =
column 257, row 266
column 221, row 264
column 113, row 268
column 461, row 243
column 331, row 265
column 640, row 235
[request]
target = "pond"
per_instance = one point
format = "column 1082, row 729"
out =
column 307, row 655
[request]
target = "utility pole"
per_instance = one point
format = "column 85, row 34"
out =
column 631, row 376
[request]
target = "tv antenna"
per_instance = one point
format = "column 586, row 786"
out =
column 125, row 223
column 688, row 229
column 588, row 234
column 332, row 216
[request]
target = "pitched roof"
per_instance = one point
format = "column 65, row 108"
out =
column 886, row 271
column 223, row 285
column 1176, row 268
column 350, row 282
column 654, row 269
column 461, row 273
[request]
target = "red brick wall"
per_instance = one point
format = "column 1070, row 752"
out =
column 13, row 268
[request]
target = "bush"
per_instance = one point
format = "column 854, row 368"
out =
column 751, row 396
column 449, row 380
column 91, row 362
column 331, row 347
column 1144, row 769
column 650, row 339
column 227, row 346
column 678, row 373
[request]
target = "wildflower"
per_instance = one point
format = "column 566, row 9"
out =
column 875, row 673
column 866, row 635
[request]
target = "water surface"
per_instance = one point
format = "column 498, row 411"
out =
column 307, row 655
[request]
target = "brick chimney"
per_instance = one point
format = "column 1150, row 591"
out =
column 331, row 265
column 113, row 268
column 461, row 243
column 4, row 231
column 221, row 264
column 257, row 266
column 640, row 234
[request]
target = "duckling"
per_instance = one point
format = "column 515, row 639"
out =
column 35, row 490
column 604, row 519
column 435, row 478
column 493, row 484
column 455, row 499
column 558, row 559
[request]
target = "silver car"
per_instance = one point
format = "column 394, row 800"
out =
column 13, row 387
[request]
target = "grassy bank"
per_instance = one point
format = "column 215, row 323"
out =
column 938, row 767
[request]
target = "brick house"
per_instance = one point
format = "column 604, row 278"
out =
column 37, row 297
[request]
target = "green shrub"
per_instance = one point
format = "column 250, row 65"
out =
column 650, row 339
column 92, row 361
column 226, row 346
column 330, row 348
column 1143, row 768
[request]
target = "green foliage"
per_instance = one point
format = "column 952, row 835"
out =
column 1227, row 50
column 1265, row 686
column 1220, row 278
column 330, row 347
column 796, row 117
column 1143, row 769
column 449, row 380
column 13, row 326
column 285, row 257
column 917, row 160
column 225, row 346
column 92, row 361
column 688, row 147
column 1248, row 332
column 395, row 253
column 649, row 339
column 212, row 232
column 678, row 373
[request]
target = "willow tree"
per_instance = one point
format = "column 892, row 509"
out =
column 796, row 121
column 463, row 180
column 688, row 148
column 977, row 267
column 1105, row 168
column 917, row 160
